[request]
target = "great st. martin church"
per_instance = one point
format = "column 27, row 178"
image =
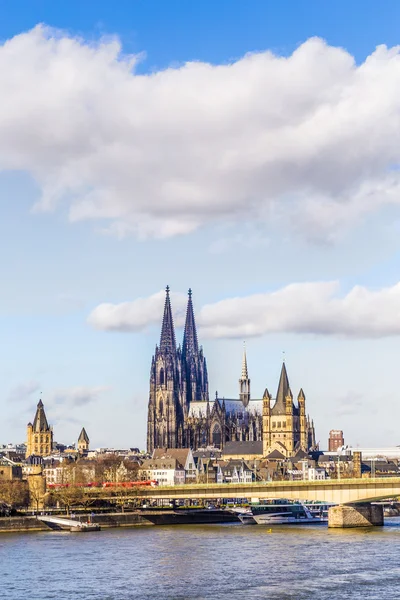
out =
column 181, row 415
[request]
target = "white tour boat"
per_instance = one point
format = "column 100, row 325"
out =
column 282, row 512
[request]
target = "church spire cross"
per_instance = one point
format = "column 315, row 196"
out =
column 190, row 343
column 167, row 339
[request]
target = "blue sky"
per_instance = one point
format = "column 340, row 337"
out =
column 267, row 183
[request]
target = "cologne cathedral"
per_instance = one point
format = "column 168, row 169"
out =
column 181, row 415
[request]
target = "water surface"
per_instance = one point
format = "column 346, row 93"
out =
column 203, row 562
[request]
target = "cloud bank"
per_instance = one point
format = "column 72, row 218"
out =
column 308, row 141
column 299, row 308
column 137, row 315
column 76, row 396
column 23, row 391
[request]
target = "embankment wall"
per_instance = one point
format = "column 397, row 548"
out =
column 107, row 520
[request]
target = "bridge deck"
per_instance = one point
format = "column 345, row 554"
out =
column 345, row 491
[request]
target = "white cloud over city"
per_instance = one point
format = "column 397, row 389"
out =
column 138, row 314
column 308, row 142
column 318, row 308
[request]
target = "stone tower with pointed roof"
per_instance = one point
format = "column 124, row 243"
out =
column 285, row 426
column 83, row 442
column 39, row 434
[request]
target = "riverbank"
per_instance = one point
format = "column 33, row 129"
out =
column 21, row 524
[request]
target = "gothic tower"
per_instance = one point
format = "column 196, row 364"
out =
column 244, row 382
column 193, row 361
column 165, row 413
column 39, row 434
column 178, row 378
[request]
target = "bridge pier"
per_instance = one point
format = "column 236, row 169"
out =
column 359, row 515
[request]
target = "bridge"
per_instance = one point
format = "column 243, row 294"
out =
column 345, row 491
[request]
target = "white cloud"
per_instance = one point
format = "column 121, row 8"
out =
column 310, row 140
column 76, row 396
column 137, row 315
column 301, row 308
column 23, row 391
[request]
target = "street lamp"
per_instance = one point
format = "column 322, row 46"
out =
column 339, row 453
column 373, row 467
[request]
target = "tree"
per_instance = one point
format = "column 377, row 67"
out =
column 14, row 493
column 37, row 490
column 69, row 496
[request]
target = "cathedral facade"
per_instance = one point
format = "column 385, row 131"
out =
column 181, row 415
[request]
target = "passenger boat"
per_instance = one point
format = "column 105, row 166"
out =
column 281, row 512
column 195, row 516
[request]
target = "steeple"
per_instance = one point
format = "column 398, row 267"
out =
column 245, row 374
column 167, row 339
column 40, row 421
column 83, row 436
column 83, row 442
column 39, row 434
column 244, row 381
column 279, row 407
column 190, row 343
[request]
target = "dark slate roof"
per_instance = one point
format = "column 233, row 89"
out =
column 83, row 436
column 40, row 422
column 243, row 448
column 275, row 454
column 279, row 407
column 300, row 454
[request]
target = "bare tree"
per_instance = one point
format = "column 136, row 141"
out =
column 69, row 496
column 14, row 493
column 37, row 490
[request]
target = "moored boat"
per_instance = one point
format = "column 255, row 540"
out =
column 195, row 516
column 281, row 512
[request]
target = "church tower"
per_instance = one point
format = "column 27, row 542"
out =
column 244, row 381
column 193, row 360
column 285, row 425
column 83, row 442
column 39, row 434
column 165, row 426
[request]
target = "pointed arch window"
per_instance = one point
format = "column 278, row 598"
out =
column 216, row 436
column 162, row 376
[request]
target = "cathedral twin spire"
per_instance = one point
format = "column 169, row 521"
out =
column 167, row 339
column 190, row 343
column 191, row 359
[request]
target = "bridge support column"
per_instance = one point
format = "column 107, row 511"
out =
column 360, row 515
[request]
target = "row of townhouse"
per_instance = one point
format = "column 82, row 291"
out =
column 172, row 466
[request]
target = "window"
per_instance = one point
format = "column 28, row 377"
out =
column 161, row 376
column 216, row 436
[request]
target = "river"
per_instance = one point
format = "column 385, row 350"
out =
column 203, row 562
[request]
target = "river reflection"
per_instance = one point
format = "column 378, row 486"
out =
column 203, row 562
